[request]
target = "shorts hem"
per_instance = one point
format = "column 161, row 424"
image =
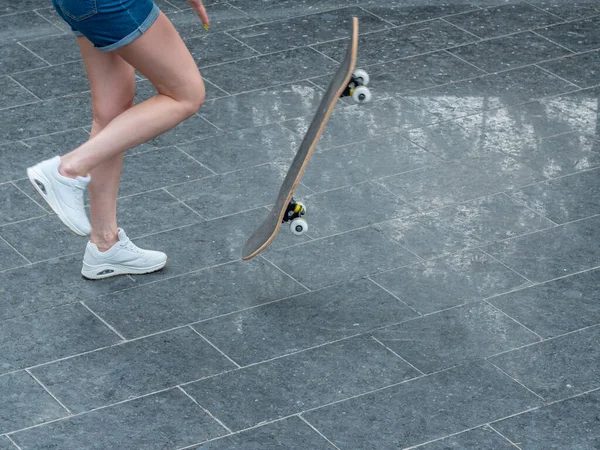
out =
column 146, row 24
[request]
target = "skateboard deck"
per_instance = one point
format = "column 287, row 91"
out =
column 285, row 208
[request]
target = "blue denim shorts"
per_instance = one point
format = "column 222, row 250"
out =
column 108, row 24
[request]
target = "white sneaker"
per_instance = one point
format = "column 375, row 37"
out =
column 64, row 195
column 122, row 258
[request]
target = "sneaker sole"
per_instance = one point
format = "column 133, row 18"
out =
column 34, row 174
column 109, row 270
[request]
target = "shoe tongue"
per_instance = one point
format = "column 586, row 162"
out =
column 83, row 181
column 122, row 235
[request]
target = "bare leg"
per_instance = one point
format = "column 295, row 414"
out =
column 163, row 58
column 112, row 81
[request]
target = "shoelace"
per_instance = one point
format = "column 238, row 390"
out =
column 131, row 246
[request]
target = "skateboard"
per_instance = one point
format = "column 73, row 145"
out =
column 346, row 82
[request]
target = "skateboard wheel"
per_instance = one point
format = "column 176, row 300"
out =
column 362, row 77
column 361, row 94
column 299, row 226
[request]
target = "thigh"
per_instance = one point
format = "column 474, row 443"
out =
column 112, row 81
column 161, row 55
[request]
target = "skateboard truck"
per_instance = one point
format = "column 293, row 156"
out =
column 357, row 87
column 294, row 213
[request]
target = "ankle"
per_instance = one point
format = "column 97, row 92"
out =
column 69, row 170
column 104, row 241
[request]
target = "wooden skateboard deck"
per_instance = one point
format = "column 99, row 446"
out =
column 284, row 207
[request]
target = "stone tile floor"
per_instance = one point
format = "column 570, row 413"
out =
column 446, row 296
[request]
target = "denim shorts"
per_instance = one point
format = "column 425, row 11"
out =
column 108, row 24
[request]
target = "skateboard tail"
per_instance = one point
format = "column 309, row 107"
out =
column 267, row 231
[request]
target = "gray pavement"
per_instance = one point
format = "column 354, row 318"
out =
column 446, row 296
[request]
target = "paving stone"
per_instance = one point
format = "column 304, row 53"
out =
column 565, row 199
column 45, row 117
column 422, row 410
column 246, row 148
column 283, row 387
column 526, row 133
column 262, row 107
column 582, row 69
column 56, row 81
column 25, row 25
column 29, row 404
column 552, row 253
column 261, row 72
column 402, row 42
column 556, row 307
column 464, row 277
column 43, row 238
column 9, row 257
column 503, row 19
column 569, row 10
column 157, row 169
column 467, row 225
column 51, row 283
column 223, row 17
column 483, row 437
column 458, row 181
column 364, row 161
column 9, row 7
column 489, row 92
column 577, row 36
column 16, row 206
column 195, row 297
column 402, row 13
column 454, row 336
column 221, row 195
column 16, row 58
column 6, row 444
column 165, row 419
column 51, row 334
column 382, row 117
column 137, row 368
column 348, row 208
column 12, row 94
column 509, row 52
column 285, row 434
column 307, row 30
column 292, row 325
column 342, row 257
column 283, row 9
column 394, row 78
column 58, row 49
column 558, row 368
column 217, row 48
column 572, row 423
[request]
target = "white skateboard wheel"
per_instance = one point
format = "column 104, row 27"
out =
column 362, row 76
column 361, row 94
column 299, row 226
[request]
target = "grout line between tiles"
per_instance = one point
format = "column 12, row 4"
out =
column 109, row 326
column 317, row 431
column 205, row 410
column 215, row 347
column 396, row 354
column 49, row 393
column 500, row 434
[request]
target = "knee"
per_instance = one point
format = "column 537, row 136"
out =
column 106, row 109
column 194, row 98
column 104, row 114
